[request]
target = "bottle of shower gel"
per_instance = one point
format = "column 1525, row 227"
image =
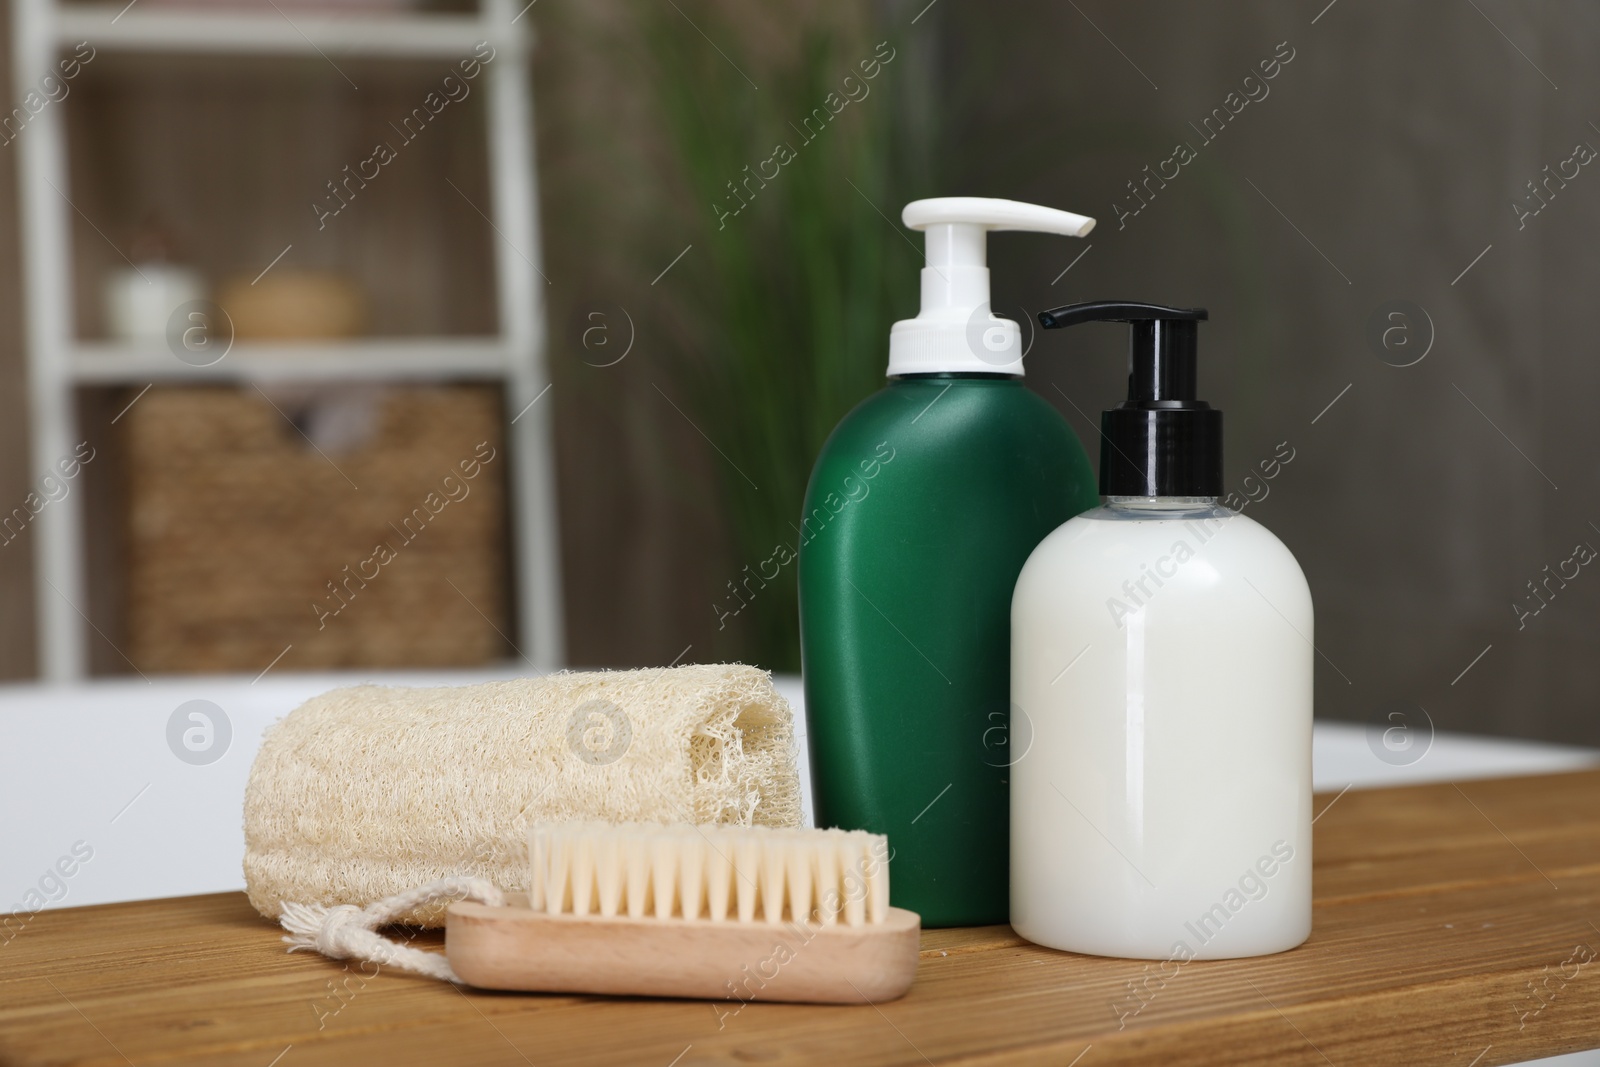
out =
column 922, row 508
column 1161, row 658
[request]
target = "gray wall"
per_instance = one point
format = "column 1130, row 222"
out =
column 1383, row 159
column 1394, row 144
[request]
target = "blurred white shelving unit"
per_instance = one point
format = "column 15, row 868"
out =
column 59, row 363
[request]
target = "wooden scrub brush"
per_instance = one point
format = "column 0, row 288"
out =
column 719, row 912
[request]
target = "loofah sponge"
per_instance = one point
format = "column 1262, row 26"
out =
column 366, row 792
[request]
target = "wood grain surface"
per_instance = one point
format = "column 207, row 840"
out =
column 1455, row 924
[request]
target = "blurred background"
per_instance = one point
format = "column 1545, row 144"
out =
column 575, row 427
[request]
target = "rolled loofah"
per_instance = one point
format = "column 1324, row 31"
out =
column 367, row 792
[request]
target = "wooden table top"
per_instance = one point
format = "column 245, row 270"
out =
column 1454, row 924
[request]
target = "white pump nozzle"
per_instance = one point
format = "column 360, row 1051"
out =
column 955, row 331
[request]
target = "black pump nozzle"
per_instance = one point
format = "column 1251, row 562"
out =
column 1161, row 441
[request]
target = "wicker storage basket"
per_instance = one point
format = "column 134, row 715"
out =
column 244, row 539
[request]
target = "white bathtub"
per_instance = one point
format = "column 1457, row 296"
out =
column 92, row 763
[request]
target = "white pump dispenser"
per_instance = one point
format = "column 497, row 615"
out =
column 955, row 331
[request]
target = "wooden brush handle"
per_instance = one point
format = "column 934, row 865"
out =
column 515, row 947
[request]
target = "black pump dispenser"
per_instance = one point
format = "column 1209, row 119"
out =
column 1161, row 441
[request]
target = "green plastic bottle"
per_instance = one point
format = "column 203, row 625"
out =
column 922, row 508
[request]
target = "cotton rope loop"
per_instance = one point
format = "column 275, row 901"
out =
column 346, row 932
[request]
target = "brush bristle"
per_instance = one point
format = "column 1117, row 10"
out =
column 710, row 873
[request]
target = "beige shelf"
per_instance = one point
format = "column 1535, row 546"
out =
column 120, row 27
column 127, row 27
column 407, row 358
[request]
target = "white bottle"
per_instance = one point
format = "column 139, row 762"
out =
column 1162, row 664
